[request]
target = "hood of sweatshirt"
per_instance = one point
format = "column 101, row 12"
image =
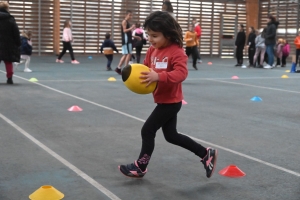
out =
column 4, row 14
column 275, row 23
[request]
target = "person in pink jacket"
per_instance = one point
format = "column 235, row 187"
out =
column 67, row 40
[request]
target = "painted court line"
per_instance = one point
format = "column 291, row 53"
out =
column 256, row 86
column 202, row 141
column 63, row 161
column 188, row 79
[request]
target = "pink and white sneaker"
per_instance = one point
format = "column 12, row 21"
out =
column 75, row 62
column 59, row 61
column 209, row 161
column 132, row 170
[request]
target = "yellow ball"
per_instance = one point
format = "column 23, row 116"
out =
column 130, row 76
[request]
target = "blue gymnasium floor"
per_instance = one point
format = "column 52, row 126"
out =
column 78, row 153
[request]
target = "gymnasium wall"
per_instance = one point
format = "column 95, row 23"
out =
column 93, row 18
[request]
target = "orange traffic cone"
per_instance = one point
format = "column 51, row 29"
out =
column 232, row 171
column 75, row 109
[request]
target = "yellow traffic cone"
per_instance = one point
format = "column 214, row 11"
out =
column 46, row 192
column 111, row 79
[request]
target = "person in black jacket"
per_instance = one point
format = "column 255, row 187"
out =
column 109, row 47
column 9, row 40
column 270, row 40
column 251, row 45
column 239, row 45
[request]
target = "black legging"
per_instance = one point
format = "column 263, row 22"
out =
column 297, row 56
column 138, row 50
column 251, row 52
column 239, row 54
column 66, row 46
column 110, row 58
column 192, row 50
column 165, row 116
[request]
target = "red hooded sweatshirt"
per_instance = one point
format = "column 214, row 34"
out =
column 198, row 30
column 170, row 64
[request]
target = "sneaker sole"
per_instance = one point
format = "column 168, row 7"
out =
column 215, row 161
column 136, row 177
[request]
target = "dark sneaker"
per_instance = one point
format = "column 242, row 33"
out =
column 108, row 69
column 237, row 65
column 195, row 67
column 132, row 170
column 210, row 161
column 9, row 81
column 118, row 71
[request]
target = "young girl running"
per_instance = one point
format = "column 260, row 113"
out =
column 67, row 39
column 167, row 62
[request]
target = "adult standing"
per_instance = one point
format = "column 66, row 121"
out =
column 270, row 40
column 9, row 40
column 167, row 7
column 251, row 45
column 239, row 45
column 198, row 32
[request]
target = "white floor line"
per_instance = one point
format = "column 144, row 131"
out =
column 98, row 80
column 199, row 140
column 240, row 78
column 256, row 86
column 63, row 161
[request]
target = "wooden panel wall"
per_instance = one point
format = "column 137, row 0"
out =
column 93, row 18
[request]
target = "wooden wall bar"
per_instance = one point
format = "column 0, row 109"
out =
column 252, row 9
column 56, row 26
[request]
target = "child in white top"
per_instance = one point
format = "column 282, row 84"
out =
column 67, row 39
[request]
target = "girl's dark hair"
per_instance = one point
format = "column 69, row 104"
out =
column 272, row 18
column 163, row 22
column 242, row 26
column 107, row 35
column 137, row 25
column 252, row 29
column 169, row 6
column 67, row 23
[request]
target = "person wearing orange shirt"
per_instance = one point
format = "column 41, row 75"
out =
column 191, row 42
column 297, row 43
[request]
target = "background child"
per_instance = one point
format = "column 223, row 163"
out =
column 26, row 50
column 139, row 43
column 279, row 47
column 167, row 62
column 251, row 46
column 260, row 49
column 109, row 47
column 67, row 38
column 285, row 52
column 239, row 45
column 191, row 44
column 297, row 44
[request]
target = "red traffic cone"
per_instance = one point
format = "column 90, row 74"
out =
column 184, row 102
column 232, row 171
column 75, row 109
